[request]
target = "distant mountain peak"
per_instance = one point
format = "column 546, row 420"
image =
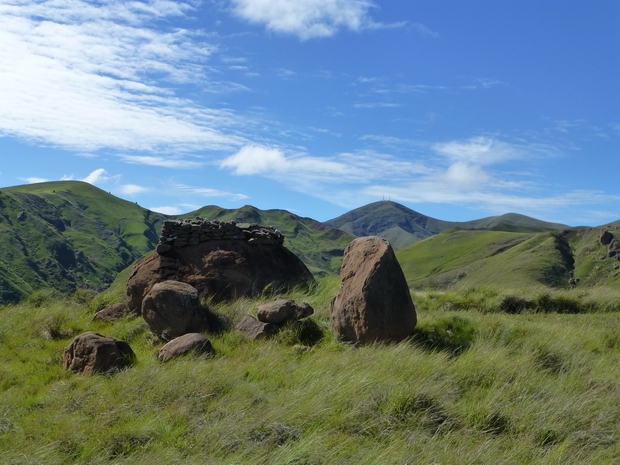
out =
column 403, row 226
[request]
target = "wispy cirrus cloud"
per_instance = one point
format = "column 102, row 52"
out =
column 34, row 180
column 86, row 76
column 303, row 169
column 309, row 19
column 177, row 163
column 207, row 192
column 133, row 189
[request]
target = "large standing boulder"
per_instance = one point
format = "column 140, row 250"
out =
column 221, row 270
column 172, row 308
column 91, row 352
column 373, row 302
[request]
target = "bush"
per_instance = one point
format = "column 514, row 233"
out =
column 453, row 334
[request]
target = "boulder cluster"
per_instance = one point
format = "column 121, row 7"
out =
column 271, row 316
column 373, row 303
column 182, row 233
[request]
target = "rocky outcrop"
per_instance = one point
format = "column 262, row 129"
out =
column 373, row 302
column 194, row 343
column 91, row 353
column 605, row 237
column 280, row 311
column 183, row 233
column 220, row 270
column 172, row 309
column 253, row 329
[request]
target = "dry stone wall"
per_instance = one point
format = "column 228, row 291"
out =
column 182, row 233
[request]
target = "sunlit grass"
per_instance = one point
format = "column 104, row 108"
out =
column 474, row 385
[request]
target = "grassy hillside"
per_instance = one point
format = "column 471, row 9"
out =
column 70, row 235
column 595, row 264
column 487, row 258
column 474, row 387
column 403, row 226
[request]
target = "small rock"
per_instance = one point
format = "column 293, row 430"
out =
column 302, row 349
column 113, row 313
column 280, row 311
column 253, row 329
column 191, row 342
column 163, row 248
column 91, row 352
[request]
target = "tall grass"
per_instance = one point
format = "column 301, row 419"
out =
column 475, row 385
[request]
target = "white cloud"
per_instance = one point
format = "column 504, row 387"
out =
column 167, row 210
column 207, row 192
column 85, row 75
column 479, row 150
column 256, row 159
column 34, row 180
column 309, row 18
column 132, row 189
column 161, row 161
column 98, row 176
column 462, row 175
column 303, row 170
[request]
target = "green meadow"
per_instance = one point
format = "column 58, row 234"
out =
column 489, row 377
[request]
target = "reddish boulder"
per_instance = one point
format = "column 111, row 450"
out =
column 172, row 308
column 253, row 329
column 373, row 302
column 188, row 343
column 221, row 270
column 91, row 352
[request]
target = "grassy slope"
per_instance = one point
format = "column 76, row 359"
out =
column 487, row 258
column 533, row 388
column 71, row 234
column 593, row 266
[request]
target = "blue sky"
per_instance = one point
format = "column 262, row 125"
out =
column 456, row 109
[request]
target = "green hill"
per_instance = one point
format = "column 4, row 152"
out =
column 403, row 226
column 69, row 235
column 473, row 258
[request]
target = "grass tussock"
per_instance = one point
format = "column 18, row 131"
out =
column 476, row 384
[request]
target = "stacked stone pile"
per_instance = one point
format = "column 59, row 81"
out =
column 186, row 232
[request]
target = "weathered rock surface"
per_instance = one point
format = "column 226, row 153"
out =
column 172, row 308
column 253, row 329
column 280, row 311
column 91, row 352
column 373, row 302
column 113, row 313
column 182, row 345
column 222, row 270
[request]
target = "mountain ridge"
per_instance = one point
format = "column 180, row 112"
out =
column 403, row 226
column 68, row 235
